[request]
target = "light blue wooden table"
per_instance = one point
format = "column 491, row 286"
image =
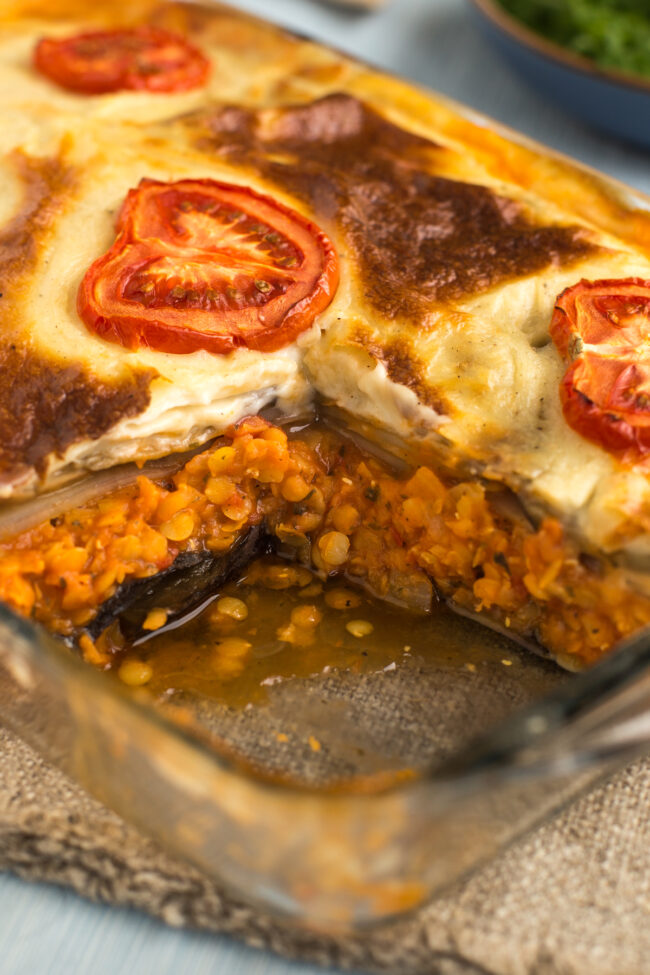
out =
column 47, row 931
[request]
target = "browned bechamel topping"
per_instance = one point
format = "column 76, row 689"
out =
column 419, row 237
column 403, row 366
column 54, row 403
column 339, row 511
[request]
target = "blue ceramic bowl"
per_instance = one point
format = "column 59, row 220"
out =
column 615, row 102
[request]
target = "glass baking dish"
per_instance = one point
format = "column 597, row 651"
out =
column 281, row 826
column 347, row 796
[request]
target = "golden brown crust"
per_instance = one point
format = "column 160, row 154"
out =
column 46, row 403
column 419, row 237
column 54, row 405
column 402, row 366
column 555, row 179
column 45, row 184
column 506, row 156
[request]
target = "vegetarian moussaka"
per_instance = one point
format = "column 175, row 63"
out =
column 211, row 231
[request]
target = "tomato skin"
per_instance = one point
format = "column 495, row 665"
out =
column 137, row 59
column 611, row 431
column 173, row 226
column 602, row 328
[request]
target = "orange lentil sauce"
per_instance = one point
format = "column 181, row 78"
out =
column 340, row 511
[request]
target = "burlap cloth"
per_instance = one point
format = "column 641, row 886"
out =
column 572, row 898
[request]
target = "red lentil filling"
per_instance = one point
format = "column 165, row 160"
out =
column 335, row 508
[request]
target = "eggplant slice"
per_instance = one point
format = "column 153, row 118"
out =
column 189, row 580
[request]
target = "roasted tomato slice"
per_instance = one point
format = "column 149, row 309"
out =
column 199, row 264
column 602, row 328
column 141, row 58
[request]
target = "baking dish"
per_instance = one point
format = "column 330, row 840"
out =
column 356, row 849
column 383, row 796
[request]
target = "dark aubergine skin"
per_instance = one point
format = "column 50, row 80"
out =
column 189, row 580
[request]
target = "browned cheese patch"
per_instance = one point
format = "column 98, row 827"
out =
column 46, row 403
column 419, row 238
column 403, row 367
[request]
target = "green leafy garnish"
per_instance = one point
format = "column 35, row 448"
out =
column 613, row 33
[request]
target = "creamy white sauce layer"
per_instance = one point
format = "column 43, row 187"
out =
column 488, row 358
